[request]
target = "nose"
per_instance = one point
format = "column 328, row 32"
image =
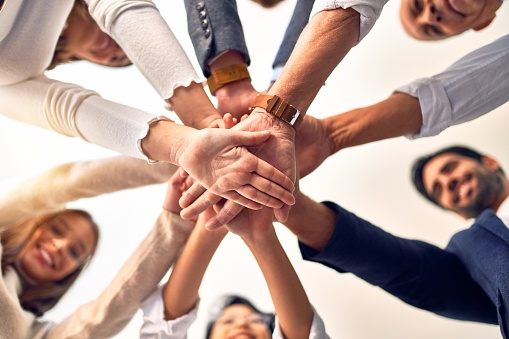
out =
column 430, row 13
column 452, row 184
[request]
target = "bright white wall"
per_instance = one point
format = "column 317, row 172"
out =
column 371, row 180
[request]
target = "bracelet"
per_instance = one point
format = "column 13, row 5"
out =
column 280, row 108
column 223, row 76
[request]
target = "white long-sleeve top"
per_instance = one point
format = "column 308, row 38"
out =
column 155, row 326
column 116, row 305
column 29, row 31
column 471, row 87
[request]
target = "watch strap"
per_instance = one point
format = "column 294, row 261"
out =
column 226, row 75
column 280, row 108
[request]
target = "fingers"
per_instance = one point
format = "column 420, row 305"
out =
column 228, row 211
column 193, row 193
column 247, row 139
column 266, row 192
column 269, row 172
column 282, row 213
column 199, row 205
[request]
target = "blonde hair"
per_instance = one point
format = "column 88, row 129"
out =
column 62, row 55
column 41, row 297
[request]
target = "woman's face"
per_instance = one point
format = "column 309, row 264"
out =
column 86, row 41
column 240, row 322
column 57, row 248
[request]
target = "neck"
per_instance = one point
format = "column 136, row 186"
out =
column 504, row 194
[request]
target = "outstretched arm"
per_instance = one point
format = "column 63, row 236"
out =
column 181, row 291
column 418, row 273
column 295, row 314
column 54, row 188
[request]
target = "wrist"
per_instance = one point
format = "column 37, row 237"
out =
column 280, row 108
column 227, row 75
column 273, row 123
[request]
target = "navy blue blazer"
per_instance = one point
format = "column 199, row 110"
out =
column 214, row 26
column 468, row 280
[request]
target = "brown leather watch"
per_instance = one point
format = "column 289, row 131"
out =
column 223, row 76
column 280, row 108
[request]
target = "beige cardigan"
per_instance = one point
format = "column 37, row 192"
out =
column 116, row 305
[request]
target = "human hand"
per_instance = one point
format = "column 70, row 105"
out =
column 235, row 98
column 278, row 150
column 217, row 160
column 178, row 183
column 312, row 145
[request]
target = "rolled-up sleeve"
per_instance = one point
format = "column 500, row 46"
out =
column 369, row 11
column 471, row 87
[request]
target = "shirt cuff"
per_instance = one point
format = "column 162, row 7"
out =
column 435, row 106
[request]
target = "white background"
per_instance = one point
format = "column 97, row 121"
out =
column 371, row 180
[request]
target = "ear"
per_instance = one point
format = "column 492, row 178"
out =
column 490, row 162
column 485, row 23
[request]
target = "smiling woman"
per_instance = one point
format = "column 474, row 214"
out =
column 49, row 252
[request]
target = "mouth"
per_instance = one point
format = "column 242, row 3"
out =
column 47, row 257
column 464, row 190
column 453, row 6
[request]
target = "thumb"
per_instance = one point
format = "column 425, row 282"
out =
column 243, row 138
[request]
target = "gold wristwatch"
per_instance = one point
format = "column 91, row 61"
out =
column 280, row 108
column 223, row 76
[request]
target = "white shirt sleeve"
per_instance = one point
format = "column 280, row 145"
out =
column 473, row 86
column 369, row 11
column 137, row 26
column 317, row 328
column 154, row 324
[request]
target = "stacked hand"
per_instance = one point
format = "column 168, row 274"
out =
column 277, row 150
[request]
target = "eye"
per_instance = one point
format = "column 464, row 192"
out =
column 57, row 230
column 436, row 192
column 436, row 30
column 74, row 252
column 418, row 5
column 226, row 320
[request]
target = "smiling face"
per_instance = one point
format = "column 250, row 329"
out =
column 57, row 248
column 85, row 40
column 462, row 184
column 240, row 321
column 440, row 19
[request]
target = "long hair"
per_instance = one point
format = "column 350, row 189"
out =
column 41, row 297
column 62, row 55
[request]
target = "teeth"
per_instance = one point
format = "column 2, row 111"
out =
column 463, row 190
column 46, row 257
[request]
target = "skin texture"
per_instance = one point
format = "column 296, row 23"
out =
column 57, row 248
column 440, row 19
column 464, row 185
column 86, row 41
column 240, row 321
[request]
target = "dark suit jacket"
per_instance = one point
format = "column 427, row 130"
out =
column 214, row 27
column 468, row 280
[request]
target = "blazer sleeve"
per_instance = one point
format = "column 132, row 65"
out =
column 54, row 188
column 118, row 303
column 214, row 27
column 416, row 272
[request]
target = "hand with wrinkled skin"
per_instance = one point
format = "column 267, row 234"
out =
column 218, row 160
column 279, row 151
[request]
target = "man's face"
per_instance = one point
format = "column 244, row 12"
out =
column 440, row 19
column 463, row 185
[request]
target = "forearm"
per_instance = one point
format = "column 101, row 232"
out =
column 181, row 291
column 313, row 223
column 325, row 41
column 398, row 115
column 193, row 106
column 291, row 304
